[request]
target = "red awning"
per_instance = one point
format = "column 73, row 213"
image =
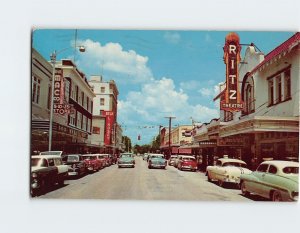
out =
column 174, row 150
column 184, row 151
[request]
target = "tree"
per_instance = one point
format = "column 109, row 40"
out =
column 127, row 142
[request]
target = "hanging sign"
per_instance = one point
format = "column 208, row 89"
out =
column 232, row 101
column 109, row 124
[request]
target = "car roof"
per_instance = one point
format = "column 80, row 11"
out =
column 223, row 160
column 281, row 163
column 188, row 156
column 46, row 156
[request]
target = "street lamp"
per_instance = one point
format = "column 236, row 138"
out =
column 53, row 61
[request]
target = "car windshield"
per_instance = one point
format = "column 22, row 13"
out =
column 188, row 159
column 90, row 157
column 50, row 153
column 126, row 155
column 38, row 162
column 157, row 156
column 291, row 170
column 234, row 164
column 73, row 158
column 101, row 156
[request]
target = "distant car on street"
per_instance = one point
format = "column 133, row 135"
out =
column 172, row 160
column 145, row 156
column 276, row 180
column 187, row 162
column 227, row 170
column 76, row 163
column 157, row 161
column 126, row 160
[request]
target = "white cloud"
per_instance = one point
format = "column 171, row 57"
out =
column 111, row 57
column 190, row 85
column 159, row 98
column 209, row 92
column 172, row 37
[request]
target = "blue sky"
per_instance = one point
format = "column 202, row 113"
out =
column 158, row 73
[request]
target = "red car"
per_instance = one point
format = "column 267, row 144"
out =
column 92, row 162
column 187, row 162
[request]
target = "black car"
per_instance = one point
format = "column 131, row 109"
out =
column 76, row 163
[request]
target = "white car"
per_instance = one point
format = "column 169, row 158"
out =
column 227, row 170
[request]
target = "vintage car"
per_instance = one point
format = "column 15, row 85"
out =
column 157, row 161
column 176, row 161
column 172, row 160
column 227, row 170
column 46, row 170
column 187, row 162
column 106, row 159
column 145, row 156
column 126, row 160
column 92, row 163
column 276, row 180
column 76, row 163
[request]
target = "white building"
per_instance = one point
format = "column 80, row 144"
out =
column 105, row 114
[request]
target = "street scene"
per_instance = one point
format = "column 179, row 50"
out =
column 165, row 115
column 142, row 183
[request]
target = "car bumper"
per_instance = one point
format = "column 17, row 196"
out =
column 158, row 165
column 126, row 165
column 188, row 168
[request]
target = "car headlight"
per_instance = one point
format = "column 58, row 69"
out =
column 34, row 175
column 295, row 195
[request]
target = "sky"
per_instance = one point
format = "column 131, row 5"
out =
column 159, row 73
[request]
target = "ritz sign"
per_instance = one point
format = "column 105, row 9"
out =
column 232, row 100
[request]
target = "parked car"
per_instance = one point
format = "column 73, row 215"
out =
column 157, row 161
column 276, row 180
column 76, row 163
column 47, row 170
column 227, row 170
column 126, row 160
column 176, row 161
column 92, row 163
column 187, row 162
column 103, row 159
column 42, row 176
column 172, row 160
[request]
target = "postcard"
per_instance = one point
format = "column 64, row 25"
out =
column 185, row 115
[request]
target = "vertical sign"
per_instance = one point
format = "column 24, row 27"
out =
column 109, row 123
column 232, row 101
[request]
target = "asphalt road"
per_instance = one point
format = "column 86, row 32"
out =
column 141, row 183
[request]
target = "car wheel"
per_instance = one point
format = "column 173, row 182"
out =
column 208, row 177
column 276, row 196
column 149, row 166
column 244, row 190
column 221, row 183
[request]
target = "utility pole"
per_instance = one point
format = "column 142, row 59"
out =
column 170, row 124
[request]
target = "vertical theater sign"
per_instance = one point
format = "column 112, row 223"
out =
column 232, row 101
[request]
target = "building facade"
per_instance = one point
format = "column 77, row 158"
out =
column 105, row 111
column 268, row 125
column 70, row 130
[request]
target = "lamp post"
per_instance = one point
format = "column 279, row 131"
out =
column 53, row 61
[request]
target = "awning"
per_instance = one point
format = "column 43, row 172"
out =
column 184, row 151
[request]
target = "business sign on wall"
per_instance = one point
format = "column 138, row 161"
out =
column 232, row 101
column 59, row 105
column 109, row 124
